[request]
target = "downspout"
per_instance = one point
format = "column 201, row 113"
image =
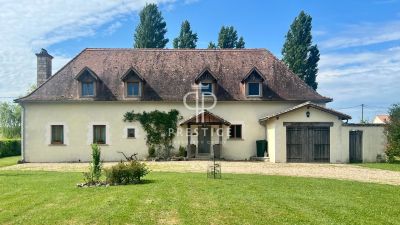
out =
column 23, row 133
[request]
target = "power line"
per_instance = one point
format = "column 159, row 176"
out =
column 350, row 107
column 377, row 107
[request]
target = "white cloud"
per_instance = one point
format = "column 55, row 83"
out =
column 28, row 25
column 113, row 27
column 319, row 32
column 368, row 77
column 364, row 34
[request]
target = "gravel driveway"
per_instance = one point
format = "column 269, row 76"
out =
column 332, row 171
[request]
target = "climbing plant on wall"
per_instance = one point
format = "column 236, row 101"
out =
column 160, row 127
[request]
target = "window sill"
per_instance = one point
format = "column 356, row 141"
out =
column 235, row 139
column 131, row 138
column 133, row 97
column 57, row 145
column 101, row 144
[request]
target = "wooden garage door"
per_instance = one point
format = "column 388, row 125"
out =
column 355, row 142
column 307, row 144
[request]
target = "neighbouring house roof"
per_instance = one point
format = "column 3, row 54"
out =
column 205, row 117
column 382, row 119
column 342, row 116
column 170, row 73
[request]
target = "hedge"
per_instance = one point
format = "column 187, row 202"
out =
column 10, row 147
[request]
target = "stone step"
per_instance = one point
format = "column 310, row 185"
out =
column 255, row 158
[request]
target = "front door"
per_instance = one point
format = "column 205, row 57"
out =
column 204, row 140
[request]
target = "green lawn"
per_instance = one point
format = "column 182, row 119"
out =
column 190, row 198
column 383, row 166
column 9, row 161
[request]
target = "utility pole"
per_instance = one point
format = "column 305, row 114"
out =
column 362, row 113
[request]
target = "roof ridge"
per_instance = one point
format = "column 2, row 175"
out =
column 178, row 50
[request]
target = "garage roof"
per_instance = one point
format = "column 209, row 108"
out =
column 309, row 104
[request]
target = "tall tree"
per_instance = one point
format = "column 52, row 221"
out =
column 10, row 120
column 151, row 29
column 186, row 38
column 298, row 52
column 212, row 45
column 312, row 67
column 227, row 37
column 240, row 43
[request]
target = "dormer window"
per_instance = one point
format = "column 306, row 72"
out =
column 133, row 83
column 207, row 82
column 206, row 88
column 253, row 83
column 254, row 89
column 87, row 89
column 133, row 89
column 87, row 82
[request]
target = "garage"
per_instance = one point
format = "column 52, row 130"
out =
column 308, row 142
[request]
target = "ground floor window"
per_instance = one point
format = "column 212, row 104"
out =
column 131, row 132
column 99, row 134
column 57, row 134
column 235, row 131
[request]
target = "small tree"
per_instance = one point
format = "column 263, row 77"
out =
column 227, row 37
column 151, row 30
column 211, row 45
column 94, row 174
column 393, row 133
column 240, row 43
column 186, row 38
column 10, row 120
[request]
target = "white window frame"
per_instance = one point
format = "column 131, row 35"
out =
column 133, row 96
column 259, row 89
column 89, row 140
column 48, row 133
column 125, row 132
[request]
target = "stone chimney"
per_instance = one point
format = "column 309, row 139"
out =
column 43, row 66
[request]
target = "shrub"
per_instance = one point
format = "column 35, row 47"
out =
column 152, row 152
column 10, row 147
column 182, row 151
column 393, row 133
column 126, row 173
column 94, row 174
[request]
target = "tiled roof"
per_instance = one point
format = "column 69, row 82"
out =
column 342, row 116
column 169, row 75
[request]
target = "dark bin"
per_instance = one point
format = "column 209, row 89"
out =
column 261, row 147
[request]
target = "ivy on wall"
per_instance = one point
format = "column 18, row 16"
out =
column 160, row 127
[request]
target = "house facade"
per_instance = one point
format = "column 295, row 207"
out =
column 228, row 100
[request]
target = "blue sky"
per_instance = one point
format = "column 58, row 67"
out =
column 359, row 40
